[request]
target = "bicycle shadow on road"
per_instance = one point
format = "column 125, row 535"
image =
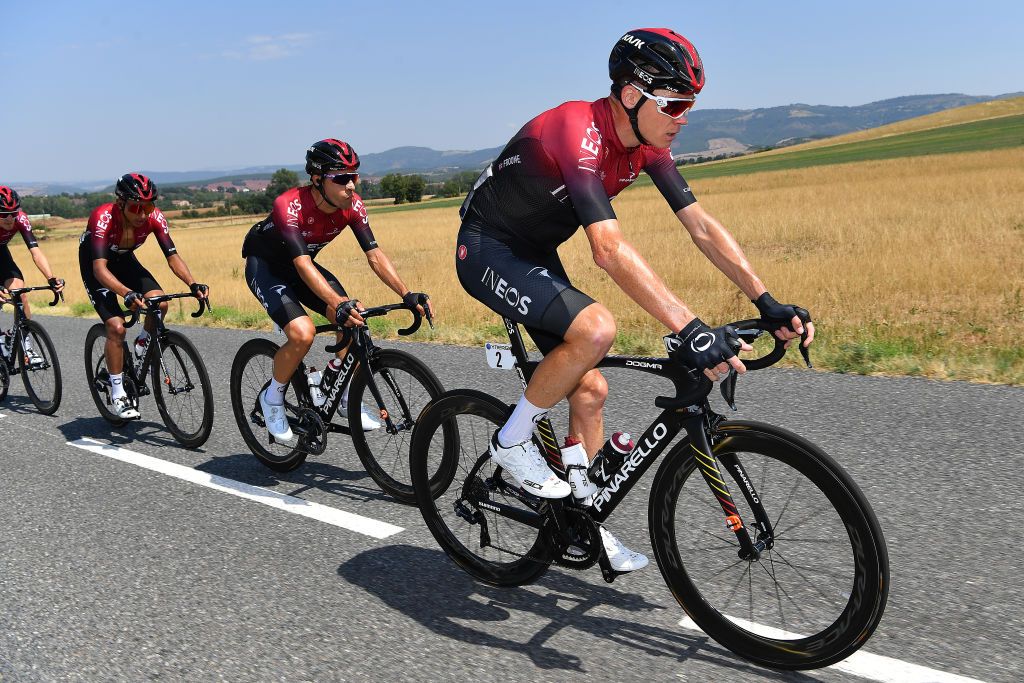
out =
column 425, row 585
column 134, row 431
column 354, row 485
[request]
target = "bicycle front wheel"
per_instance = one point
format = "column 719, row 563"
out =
column 816, row 592
column 406, row 385
column 251, row 372
column 181, row 386
column 40, row 368
column 479, row 520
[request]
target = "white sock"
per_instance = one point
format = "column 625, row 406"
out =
column 117, row 385
column 519, row 427
column 275, row 392
column 26, row 342
column 143, row 337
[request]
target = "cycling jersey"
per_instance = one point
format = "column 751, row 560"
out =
column 106, row 231
column 296, row 227
column 561, row 171
column 22, row 225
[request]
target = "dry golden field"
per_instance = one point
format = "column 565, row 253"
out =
column 909, row 266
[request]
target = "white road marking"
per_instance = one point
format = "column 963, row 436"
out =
column 860, row 663
column 297, row 506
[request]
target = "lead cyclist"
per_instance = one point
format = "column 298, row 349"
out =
column 559, row 172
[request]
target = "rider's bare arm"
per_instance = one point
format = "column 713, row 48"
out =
column 382, row 266
column 180, row 268
column 39, row 258
column 721, row 248
column 634, row 275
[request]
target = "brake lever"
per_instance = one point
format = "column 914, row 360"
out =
column 729, row 388
column 805, row 351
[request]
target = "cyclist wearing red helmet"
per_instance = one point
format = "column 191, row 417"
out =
column 109, row 269
column 559, row 172
column 12, row 221
column 282, row 273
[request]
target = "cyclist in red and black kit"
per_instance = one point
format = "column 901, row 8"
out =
column 282, row 273
column 558, row 173
column 106, row 260
column 12, row 221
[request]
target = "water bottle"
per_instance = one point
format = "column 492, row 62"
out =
column 611, row 457
column 575, row 461
column 141, row 343
column 330, row 372
column 314, row 377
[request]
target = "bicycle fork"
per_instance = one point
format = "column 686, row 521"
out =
column 703, row 456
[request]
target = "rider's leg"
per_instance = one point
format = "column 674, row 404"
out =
column 300, row 333
column 150, row 326
column 586, row 411
column 17, row 283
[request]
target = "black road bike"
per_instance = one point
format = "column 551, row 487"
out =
column 39, row 368
column 395, row 383
column 180, row 382
column 764, row 540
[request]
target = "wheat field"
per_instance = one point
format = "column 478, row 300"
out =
column 909, row 266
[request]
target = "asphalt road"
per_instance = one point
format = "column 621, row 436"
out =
column 109, row 571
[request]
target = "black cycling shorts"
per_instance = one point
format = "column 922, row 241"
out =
column 521, row 283
column 8, row 268
column 126, row 268
column 282, row 292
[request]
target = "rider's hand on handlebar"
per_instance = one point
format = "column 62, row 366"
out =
column 199, row 291
column 711, row 350
column 786, row 321
column 417, row 300
column 347, row 313
column 133, row 300
column 56, row 283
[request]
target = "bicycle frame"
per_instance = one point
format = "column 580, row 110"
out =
column 19, row 321
column 154, row 352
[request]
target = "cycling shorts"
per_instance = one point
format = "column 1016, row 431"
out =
column 282, row 292
column 8, row 268
column 126, row 268
column 521, row 283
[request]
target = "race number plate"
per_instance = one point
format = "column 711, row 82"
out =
column 499, row 356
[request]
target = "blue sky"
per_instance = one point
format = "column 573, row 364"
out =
column 95, row 89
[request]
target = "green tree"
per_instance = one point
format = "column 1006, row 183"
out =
column 414, row 185
column 393, row 185
column 282, row 180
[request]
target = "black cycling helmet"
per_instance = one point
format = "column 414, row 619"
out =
column 330, row 155
column 9, row 200
column 135, row 187
column 654, row 58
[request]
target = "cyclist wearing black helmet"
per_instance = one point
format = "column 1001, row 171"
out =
column 12, row 221
column 559, row 172
column 282, row 273
column 110, row 270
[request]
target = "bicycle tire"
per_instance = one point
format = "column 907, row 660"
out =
column 386, row 456
column 179, row 351
column 682, row 506
column 474, row 415
column 251, row 370
column 46, row 401
column 95, row 364
column 5, row 379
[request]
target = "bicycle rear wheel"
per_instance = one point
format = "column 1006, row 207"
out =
column 5, row 379
column 251, row 371
column 406, row 385
column 181, row 386
column 816, row 593
column 96, row 373
column 42, row 373
column 490, row 546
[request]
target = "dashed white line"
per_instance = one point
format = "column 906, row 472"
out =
column 863, row 664
column 296, row 506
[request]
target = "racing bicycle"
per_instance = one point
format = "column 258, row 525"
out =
column 395, row 383
column 180, row 381
column 29, row 351
column 764, row 540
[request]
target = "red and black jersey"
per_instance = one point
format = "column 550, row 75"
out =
column 296, row 227
column 561, row 171
column 22, row 225
column 106, row 237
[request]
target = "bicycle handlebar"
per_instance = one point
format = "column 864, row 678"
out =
column 57, row 296
column 417, row 320
column 153, row 305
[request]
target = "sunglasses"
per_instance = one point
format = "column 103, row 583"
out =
column 672, row 107
column 140, row 207
column 342, row 178
column 8, row 215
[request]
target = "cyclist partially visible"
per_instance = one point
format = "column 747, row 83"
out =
column 12, row 221
column 110, row 271
column 281, row 269
column 559, row 172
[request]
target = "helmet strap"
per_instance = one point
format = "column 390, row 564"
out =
column 632, row 113
column 319, row 187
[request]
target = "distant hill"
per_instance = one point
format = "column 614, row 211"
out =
column 708, row 129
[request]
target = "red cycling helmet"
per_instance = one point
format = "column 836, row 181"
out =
column 331, row 155
column 9, row 200
column 135, row 187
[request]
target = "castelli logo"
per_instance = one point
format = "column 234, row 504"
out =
column 702, row 341
column 462, row 252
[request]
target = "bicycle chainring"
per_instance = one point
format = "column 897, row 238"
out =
column 585, row 549
column 313, row 438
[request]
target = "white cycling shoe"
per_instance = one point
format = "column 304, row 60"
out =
column 34, row 359
column 370, row 420
column 276, row 420
column 621, row 558
column 527, row 467
column 124, row 409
